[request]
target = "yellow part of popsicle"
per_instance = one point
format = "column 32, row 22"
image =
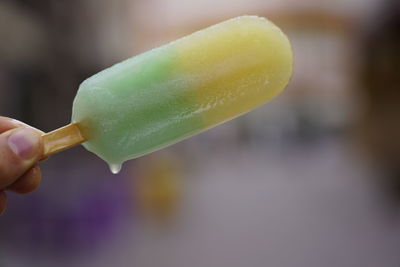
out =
column 235, row 66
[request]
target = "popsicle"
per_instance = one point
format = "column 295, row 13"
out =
column 177, row 90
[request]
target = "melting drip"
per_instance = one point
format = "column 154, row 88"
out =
column 115, row 168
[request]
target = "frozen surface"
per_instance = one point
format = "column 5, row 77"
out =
column 175, row 91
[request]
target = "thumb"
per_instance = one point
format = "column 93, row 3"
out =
column 20, row 149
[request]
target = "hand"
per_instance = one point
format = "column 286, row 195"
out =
column 21, row 147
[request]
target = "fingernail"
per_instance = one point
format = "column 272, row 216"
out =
column 24, row 142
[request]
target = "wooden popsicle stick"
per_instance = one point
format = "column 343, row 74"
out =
column 62, row 138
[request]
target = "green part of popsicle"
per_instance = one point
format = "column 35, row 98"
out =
column 145, row 108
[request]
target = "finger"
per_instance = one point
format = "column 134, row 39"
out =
column 8, row 124
column 28, row 182
column 3, row 202
column 20, row 149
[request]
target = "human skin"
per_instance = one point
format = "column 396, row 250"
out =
column 21, row 147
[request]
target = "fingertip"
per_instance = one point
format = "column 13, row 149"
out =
column 20, row 149
column 28, row 182
column 10, row 123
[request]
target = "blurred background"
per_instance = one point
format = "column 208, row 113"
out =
column 310, row 179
